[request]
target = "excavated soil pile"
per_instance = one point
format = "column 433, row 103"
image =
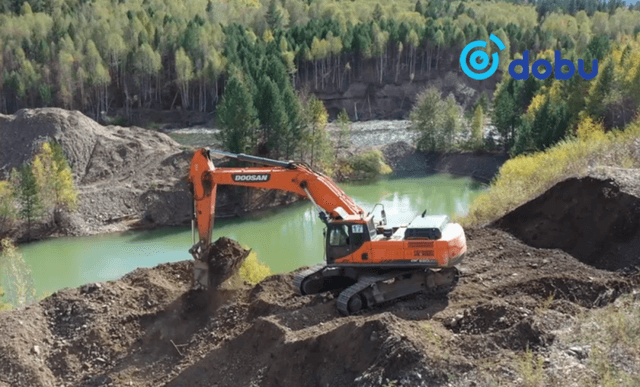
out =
column 591, row 219
column 150, row 329
column 224, row 258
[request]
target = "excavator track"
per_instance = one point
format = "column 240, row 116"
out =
column 299, row 282
column 370, row 291
column 350, row 301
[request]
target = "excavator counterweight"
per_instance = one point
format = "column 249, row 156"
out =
column 369, row 261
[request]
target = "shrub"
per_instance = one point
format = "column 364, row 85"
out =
column 369, row 165
column 253, row 270
column 3, row 306
column 15, row 275
column 525, row 177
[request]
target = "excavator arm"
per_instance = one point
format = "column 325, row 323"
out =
column 298, row 178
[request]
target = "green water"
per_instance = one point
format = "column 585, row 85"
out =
column 284, row 238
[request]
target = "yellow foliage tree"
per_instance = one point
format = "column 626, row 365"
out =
column 590, row 130
column 253, row 270
column 8, row 211
column 54, row 178
column 16, row 275
column 267, row 36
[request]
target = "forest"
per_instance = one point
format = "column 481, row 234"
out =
column 98, row 56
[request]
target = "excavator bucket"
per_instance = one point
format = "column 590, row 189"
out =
column 218, row 262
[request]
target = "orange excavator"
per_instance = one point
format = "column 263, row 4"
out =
column 368, row 260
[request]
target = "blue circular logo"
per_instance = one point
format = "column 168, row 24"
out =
column 480, row 60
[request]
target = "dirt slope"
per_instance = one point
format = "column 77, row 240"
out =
column 150, row 329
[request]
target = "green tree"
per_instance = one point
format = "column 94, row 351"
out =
column 344, row 124
column 31, row 208
column 427, row 120
column 272, row 115
column 477, row 128
column 316, row 137
column 452, row 124
column 274, row 18
column 439, row 41
column 600, row 90
column 378, row 12
column 184, row 73
column 293, row 109
column 237, row 117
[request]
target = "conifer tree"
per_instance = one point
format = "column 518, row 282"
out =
column 30, row 205
column 237, row 117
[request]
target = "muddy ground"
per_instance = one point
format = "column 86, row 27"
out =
column 150, row 329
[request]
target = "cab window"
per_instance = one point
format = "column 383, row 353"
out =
column 339, row 235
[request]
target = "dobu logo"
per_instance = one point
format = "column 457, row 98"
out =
column 556, row 68
column 483, row 56
column 480, row 60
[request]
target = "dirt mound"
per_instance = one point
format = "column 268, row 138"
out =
column 151, row 329
column 591, row 219
column 125, row 176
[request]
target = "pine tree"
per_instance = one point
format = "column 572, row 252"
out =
column 378, row 12
column 30, row 205
column 272, row 115
column 237, row 117
column 274, row 18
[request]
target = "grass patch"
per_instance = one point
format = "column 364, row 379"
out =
column 613, row 334
column 525, row 177
column 531, row 369
column 546, row 304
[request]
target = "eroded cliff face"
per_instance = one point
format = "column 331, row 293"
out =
column 125, row 176
column 366, row 98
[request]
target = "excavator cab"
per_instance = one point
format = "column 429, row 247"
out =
column 343, row 238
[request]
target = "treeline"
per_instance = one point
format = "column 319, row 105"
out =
column 39, row 191
column 101, row 55
column 534, row 114
column 573, row 6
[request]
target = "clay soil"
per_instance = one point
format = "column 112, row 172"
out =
column 150, row 328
